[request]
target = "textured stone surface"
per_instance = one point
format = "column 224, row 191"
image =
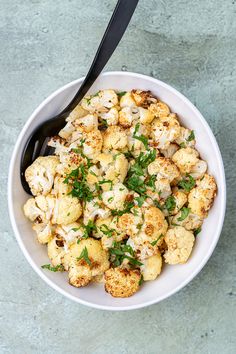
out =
column 190, row 45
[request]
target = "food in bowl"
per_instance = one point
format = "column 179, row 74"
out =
column 125, row 191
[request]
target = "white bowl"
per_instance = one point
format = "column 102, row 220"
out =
column 173, row 278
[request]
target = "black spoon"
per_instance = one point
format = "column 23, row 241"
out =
column 37, row 142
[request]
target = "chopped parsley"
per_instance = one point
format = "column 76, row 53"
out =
column 141, row 137
column 182, row 145
column 141, row 280
column 184, row 213
column 155, row 242
column 187, row 183
column 88, row 229
column 106, row 231
column 84, row 255
column 58, row 268
column 104, row 181
column 140, row 200
column 120, row 251
column 77, row 179
column 170, row 203
column 151, row 182
column 191, row 136
column 120, row 94
column 127, row 209
column 157, row 204
column 197, row 231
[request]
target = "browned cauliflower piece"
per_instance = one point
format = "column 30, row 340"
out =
column 114, row 168
column 186, row 138
column 40, row 174
column 151, row 267
column 92, row 145
column 164, row 168
column 170, row 150
column 114, row 138
column 186, row 159
column 100, row 102
column 111, row 117
column 180, row 200
column 122, row 282
column 84, row 261
column 67, row 210
column 56, row 250
column 179, row 243
column 191, row 222
column 159, row 109
column 143, row 98
column 165, row 130
column 201, row 197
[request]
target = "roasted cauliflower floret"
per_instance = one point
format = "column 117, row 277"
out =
column 115, row 198
column 40, row 174
column 163, row 187
column 127, row 100
column 128, row 115
column 191, row 222
column 180, row 200
column 146, row 116
column 186, row 138
column 95, row 208
column 56, row 251
column 151, row 234
column 165, row 130
column 114, row 168
column 109, row 232
column 186, row 159
column 114, row 138
column 122, row 282
column 44, row 232
column 111, row 117
column 84, row 261
column 179, row 243
column 67, row 210
column 151, row 267
column 86, row 124
column 100, row 102
column 60, row 188
column 130, row 223
column 70, row 233
column 92, row 145
column 170, row 150
column 39, row 209
column 164, row 168
column 198, row 170
column 159, row 109
column 201, row 197
column 78, row 112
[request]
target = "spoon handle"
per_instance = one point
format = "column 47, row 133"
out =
column 118, row 23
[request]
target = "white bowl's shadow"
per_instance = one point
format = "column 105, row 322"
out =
column 172, row 278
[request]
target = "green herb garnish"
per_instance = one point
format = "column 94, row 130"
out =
column 197, row 231
column 88, row 229
column 184, row 213
column 155, row 242
column 141, row 280
column 106, row 231
column 140, row 200
column 170, row 203
column 141, row 137
column 191, row 136
column 84, row 255
column 119, row 252
column 58, row 268
column 120, row 94
column 187, row 183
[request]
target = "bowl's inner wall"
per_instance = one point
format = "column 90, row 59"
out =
column 172, row 277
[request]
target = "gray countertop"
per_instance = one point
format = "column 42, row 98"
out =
column 189, row 44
